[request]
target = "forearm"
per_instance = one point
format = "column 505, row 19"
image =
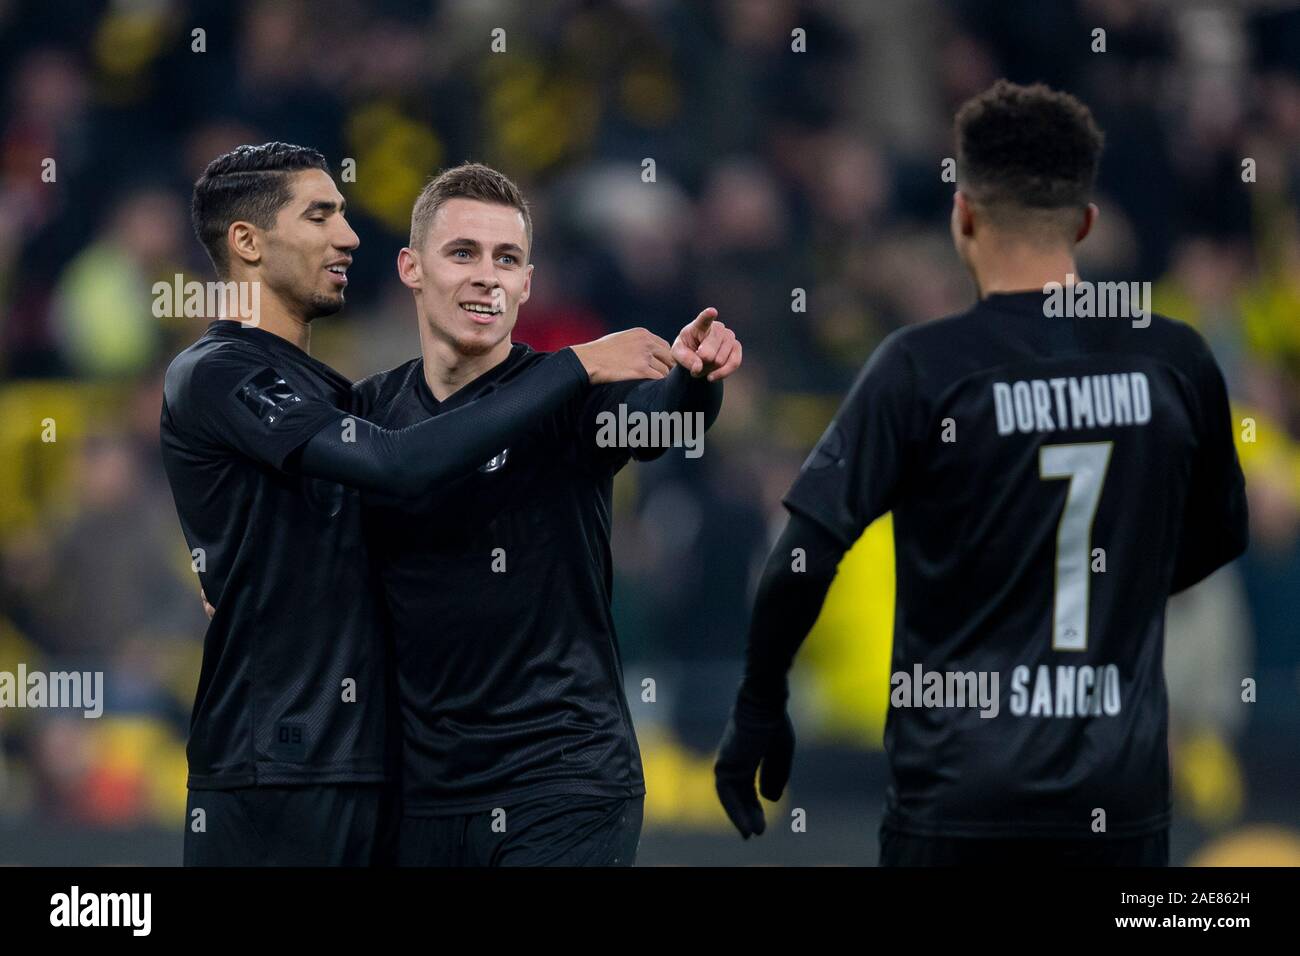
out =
column 410, row 461
column 678, row 392
column 790, row 595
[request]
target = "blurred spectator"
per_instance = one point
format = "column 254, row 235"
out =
column 103, row 310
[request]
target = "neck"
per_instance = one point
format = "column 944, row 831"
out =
column 267, row 311
column 447, row 370
column 1013, row 267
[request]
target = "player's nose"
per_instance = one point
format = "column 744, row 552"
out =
column 346, row 239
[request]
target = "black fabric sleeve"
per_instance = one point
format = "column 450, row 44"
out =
column 1215, row 518
column 238, row 401
column 855, row 470
column 791, row 590
column 678, row 391
column 407, row 462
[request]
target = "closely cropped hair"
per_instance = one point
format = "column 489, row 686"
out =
column 249, row 184
column 1027, row 147
column 466, row 181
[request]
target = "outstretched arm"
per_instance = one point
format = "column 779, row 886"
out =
column 407, row 462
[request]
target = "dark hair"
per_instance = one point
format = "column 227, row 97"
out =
column 249, row 183
column 1025, row 148
column 466, row 181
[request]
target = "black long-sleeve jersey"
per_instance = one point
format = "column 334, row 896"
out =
column 498, row 587
column 263, row 456
column 1052, row 481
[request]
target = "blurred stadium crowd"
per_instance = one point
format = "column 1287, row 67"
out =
column 799, row 192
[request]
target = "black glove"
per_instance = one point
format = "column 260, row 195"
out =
column 757, row 733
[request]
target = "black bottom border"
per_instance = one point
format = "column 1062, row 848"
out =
column 300, row 906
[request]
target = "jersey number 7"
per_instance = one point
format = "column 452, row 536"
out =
column 1085, row 465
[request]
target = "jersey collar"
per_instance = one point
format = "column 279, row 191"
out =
column 237, row 331
column 1029, row 301
column 471, row 389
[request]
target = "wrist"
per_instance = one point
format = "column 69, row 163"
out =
column 584, row 360
column 762, row 701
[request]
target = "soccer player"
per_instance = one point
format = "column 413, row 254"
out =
column 518, row 742
column 1052, row 480
column 287, row 739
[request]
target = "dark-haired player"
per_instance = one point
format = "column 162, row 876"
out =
column 287, row 738
column 1010, row 443
column 518, row 742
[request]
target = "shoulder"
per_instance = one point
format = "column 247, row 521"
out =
column 210, row 364
column 895, row 360
column 942, row 336
column 1186, row 351
column 522, row 358
column 1170, row 342
column 927, row 345
column 1178, row 341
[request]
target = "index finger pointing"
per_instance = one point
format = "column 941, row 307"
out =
column 705, row 319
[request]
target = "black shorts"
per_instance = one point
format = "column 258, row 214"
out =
column 903, row 849
column 566, row 830
column 317, row 825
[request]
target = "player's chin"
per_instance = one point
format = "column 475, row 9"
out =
column 477, row 344
column 325, row 303
column 480, row 340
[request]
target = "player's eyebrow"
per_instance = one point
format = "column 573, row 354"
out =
column 511, row 247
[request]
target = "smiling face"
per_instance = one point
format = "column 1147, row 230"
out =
column 305, row 256
column 471, row 275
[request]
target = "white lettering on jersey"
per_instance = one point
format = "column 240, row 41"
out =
column 1089, row 401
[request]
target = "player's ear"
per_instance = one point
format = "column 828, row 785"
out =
column 963, row 219
column 528, row 284
column 1089, row 220
column 409, row 269
column 244, row 242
